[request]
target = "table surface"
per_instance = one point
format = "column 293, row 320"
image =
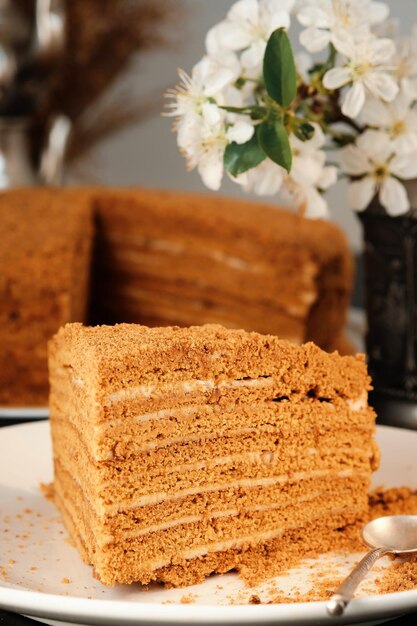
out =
column 12, row 619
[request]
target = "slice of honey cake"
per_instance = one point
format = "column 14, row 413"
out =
column 178, row 452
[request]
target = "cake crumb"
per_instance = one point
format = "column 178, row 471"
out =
column 254, row 599
column 3, row 573
column 190, row 598
column 65, row 581
column 47, row 490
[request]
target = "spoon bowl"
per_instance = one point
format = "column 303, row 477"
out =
column 394, row 534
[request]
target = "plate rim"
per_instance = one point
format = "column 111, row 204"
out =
column 103, row 611
column 24, row 412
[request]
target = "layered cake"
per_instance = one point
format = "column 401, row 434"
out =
column 170, row 258
column 179, row 452
column 45, row 244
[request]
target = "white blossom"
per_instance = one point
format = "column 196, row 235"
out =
column 265, row 179
column 207, row 80
column 202, row 142
column 398, row 119
column 376, row 169
column 248, row 26
column 309, row 174
column 366, row 71
column 328, row 20
column 405, row 60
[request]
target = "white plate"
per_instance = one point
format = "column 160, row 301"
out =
column 48, row 578
column 24, row 413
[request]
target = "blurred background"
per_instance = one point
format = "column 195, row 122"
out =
column 110, row 86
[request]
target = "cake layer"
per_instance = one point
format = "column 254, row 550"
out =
column 210, row 357
column 190, row 423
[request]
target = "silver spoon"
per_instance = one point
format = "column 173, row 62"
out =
column 394, row 534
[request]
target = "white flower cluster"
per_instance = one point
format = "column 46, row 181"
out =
column 370, row 79
column 384, row 154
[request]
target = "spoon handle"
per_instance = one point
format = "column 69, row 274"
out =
column 344, row 593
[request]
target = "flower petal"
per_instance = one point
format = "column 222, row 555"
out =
column 240, row 132
column 303, row 62
column 337, row 77
column 265, row 179
column 376, row 145
column 313, row 15
column 393, row 197
column 375, row 113
column 404, row 166
column 381, row 51
column 279, row 19
column 306, row 170
column 253, row 56
column 361, row 192
column 211, row 113
column 354, row 161
column 316, row 205
column 232, row 36
column 213, row 45
column 405, row 143
column 381, row 85
column 328, row 177
column 314, row 40
column 354, row 100
column 344, row 42
column 210, row 168
column 219, row 80
column 244, row 11
column 378, row 12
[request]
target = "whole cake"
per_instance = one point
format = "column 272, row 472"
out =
column 179, row 452
column 171, row 258
column 45, row 247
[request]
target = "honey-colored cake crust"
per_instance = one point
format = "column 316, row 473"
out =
column 179, row 452
column 45, row 247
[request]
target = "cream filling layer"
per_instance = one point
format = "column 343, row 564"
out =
column 165, row 443
column 190, row 519
column 102, row 510
column 259, row 458
column 185, row 387
column 222, row 546
column 177, row 248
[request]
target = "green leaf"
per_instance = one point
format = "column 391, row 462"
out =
column 280, row 74
column 275, row 143
column 304, row 131
column 241, row 157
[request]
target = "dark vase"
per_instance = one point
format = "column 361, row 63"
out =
column 390, row 264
